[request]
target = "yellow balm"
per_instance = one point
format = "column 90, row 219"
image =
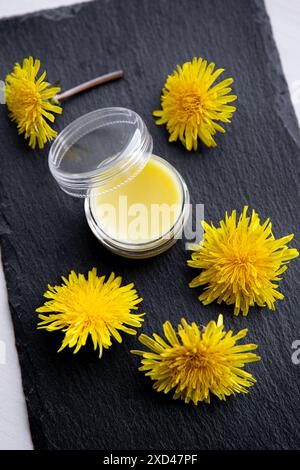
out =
column 145, row 208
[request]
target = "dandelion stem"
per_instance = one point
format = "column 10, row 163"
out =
column 90, row 84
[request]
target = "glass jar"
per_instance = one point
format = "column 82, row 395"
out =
column 106, row 157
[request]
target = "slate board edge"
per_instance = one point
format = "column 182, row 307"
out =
column 284, row 106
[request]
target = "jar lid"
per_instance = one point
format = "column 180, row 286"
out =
column 100, row 150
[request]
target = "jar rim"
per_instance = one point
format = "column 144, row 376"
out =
column 102, row 149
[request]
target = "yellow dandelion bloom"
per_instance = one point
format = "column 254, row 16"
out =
column 91, row 308
column 241, row 262
column 195, row 364
column 28, row 100
column 192, row 107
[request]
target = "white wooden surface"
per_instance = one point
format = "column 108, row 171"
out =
column 14, row 429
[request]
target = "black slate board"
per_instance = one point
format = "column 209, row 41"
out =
column 81, row 402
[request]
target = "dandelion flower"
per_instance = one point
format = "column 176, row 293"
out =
column 192, row 107
column 241, row 262
column 91, row 307
column 195, row 364
column 30, row 101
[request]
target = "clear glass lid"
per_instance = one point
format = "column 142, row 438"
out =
column 100, row 150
